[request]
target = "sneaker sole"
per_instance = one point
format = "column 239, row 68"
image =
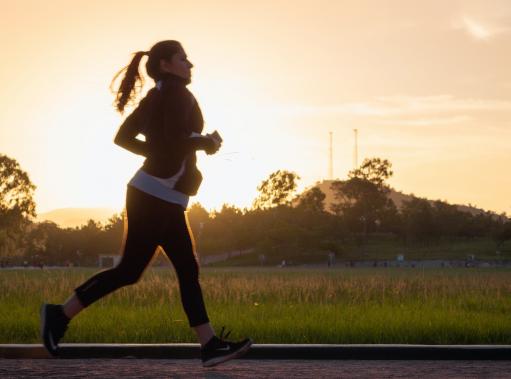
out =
column 51, row 349
column 236, row 354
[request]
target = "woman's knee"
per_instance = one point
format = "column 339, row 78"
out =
column 188, row 270
column 132, row 279
column 126, row 276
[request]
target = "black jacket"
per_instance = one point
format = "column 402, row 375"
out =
column 166, row 117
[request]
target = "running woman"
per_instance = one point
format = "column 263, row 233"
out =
column 171, row 121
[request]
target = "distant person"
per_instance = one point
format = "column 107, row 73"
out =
column 331, row 258
column 262, row 259
column 156, row 199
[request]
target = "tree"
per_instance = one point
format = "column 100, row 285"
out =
column 278, row 189
column 197, row 215
column 312, row 200
column 449, row 219
column 374, row 170
column 44, row 243
column 229, row 224
column 361, row 202
column 419, row 220
column 362, row 199
column 89, row 241
column 501, row 234
column 17, row 206
column 112, row 236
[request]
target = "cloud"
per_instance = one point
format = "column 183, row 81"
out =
column 433, row 121
column 441, row 103
column 481, row 29
column 477, row 30
column 399, row 105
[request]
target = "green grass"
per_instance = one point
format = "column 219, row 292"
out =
column 292, row 305
column 457, row 248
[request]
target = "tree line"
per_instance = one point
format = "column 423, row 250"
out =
column 280, row 223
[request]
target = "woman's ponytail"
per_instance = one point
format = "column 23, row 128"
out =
column 128, row 89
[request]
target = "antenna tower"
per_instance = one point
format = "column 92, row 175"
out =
column 330, row 160
column 355, row 152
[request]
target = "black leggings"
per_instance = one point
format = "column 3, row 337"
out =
column 152, row 222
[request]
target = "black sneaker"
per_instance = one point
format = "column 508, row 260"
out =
column 53, row 326
column 217, row 350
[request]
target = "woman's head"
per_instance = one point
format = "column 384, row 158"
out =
column 163, row 58
column 168, row 56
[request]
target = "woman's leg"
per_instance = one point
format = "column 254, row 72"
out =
column 139, row 245
column 177, row 242
column 72, row 306
column 204, row 333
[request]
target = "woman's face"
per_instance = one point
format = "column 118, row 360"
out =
column 178, row 65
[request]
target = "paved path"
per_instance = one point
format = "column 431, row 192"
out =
column 249, row 368
column 266, row 351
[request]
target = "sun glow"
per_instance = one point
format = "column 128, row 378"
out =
column 430, row 100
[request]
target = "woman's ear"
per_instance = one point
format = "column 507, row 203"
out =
column 164, row 65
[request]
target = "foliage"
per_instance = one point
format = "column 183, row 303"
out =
column 374, row 170
column 17, row 206
column 281, row 226
column 312, row 200
column 362, row 199
column 277, row 190
column 502, row 233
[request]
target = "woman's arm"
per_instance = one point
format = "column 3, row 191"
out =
column 201, row 143
column 181, row 115
column 128, row 131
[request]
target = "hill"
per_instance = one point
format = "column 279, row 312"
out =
column 72, row 217
column 397, row 197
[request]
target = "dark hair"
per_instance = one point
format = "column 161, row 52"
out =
column 128, row 89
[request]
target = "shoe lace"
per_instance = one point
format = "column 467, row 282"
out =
column 222, row 337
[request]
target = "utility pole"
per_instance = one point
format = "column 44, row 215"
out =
column 355, row 152
column 331, row 160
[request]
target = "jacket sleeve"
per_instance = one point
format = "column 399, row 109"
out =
column 129, row 129
column 177, row 113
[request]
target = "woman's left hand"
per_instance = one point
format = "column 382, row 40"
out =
column 213, row 147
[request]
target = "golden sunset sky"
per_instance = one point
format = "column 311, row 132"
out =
column 426, row 83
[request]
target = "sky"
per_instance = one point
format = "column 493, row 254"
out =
column 427, row 84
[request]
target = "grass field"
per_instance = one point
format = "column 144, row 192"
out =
column 385, row 248
column 272, row 305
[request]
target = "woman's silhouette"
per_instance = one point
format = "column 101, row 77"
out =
column 157, row 196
